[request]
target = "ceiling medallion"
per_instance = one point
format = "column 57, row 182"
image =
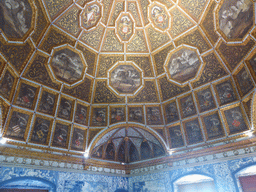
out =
column 125, row 78
column 91, row 15
column 125, row 26
column 182, row 64
column 18, row 19
column 159, row 16
column 235, row 19
column 68, row 64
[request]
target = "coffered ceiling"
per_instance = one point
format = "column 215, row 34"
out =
column 126, row 80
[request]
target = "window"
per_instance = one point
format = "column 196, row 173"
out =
column 25, row 184
column 248, row 183
column 194, row 183
column 246, row 179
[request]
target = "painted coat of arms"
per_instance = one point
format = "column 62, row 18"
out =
column 91, row 15
column 125, row 28
column 159, row 17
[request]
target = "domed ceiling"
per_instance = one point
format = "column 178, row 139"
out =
column 168, row 74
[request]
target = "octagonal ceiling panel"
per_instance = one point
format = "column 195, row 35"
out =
column 182, row 64
column 235, row 19
column 182, row 69
column 125, row 78
column 68, row 64
column 18, row 19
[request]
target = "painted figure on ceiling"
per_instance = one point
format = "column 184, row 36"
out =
column 110, row 151
column 125, row 78
column 13, row 17
column 236, row 18
column 40, row 131
column 136, row 114
column 117, row 114
column 183, row 65
column 91, row 15
column 237, row 118
column 180, row 63
column 171, row 112
column 188, row 107
column 67, row 65
column 159, row 17
column 47, row 103
column 214, row 129
column 60, row 135
column 194, row 132
column 176, row 137
column 99, row 116
column 125, row 25
column 6, row 85
column 226, row 92
column 18, row 125
column 154, row 115
column 65, row 109
column 81, row 114
column 26, row 96
column 78, row 139
column 206, row 100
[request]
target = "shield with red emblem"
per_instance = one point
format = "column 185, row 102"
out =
column 91, row 15
column 60, row 138
column 236, row 123
column 78, row 143
column 125, row 28
column 159, row 17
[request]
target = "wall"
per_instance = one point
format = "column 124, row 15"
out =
column 59, row 181
column 223, row 174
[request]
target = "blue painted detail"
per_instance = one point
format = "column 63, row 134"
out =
column 121, row 190
column 28, row 183
column 56, row 181
column 191, row 173
column 237, row 166
column 223, row 174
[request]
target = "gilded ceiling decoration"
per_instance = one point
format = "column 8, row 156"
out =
column 182, row 64
column 126, row 80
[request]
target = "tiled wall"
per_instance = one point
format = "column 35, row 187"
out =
column 60, row 181
column 223, row 174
